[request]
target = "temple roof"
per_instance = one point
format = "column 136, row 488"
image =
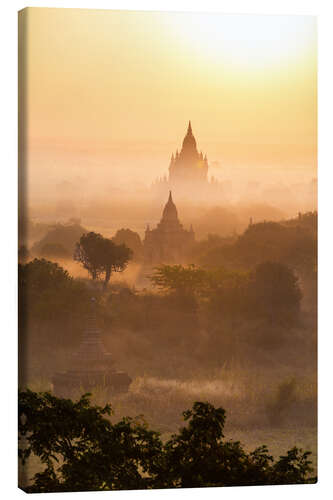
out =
column 170, row 210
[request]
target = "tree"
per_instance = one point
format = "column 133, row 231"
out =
column 50, row 308
column 47, row 292
column 275, row 291
column 81, row 449
column 178, row 279
column 101, row 256
column 181, row 283
column 40, row 275
column 228, row 292
column 132, row 240
column 200, row 456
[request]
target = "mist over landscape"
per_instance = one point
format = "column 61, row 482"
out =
column 168, row 245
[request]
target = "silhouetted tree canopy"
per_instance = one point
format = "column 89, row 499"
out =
column 185, row 280
column 41, row 275
column 274, row 289
column 101, row 256
column 271, row 290
column 82, row 450
column 47, row 291
column 292, row 243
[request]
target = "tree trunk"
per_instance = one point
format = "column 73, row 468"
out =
column 107, row 277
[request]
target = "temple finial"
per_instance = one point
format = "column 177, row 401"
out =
column 170, row 196
column 189, row 129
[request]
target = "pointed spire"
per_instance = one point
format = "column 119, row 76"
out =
column 189, row 128
column 170, row 211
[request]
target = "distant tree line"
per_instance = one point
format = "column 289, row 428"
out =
column 292, row 242
column 270, row 290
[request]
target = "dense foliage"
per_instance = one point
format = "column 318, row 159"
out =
column 270, row 291
column 47, row 291
column 81, row 449
column 292, row 242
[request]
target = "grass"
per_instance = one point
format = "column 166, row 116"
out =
column 249, row 396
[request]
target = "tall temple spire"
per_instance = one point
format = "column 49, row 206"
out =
column 189, row 128
column 170, row 197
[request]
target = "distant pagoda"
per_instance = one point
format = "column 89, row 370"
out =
column 91, row 365
column 169, row 242
column 188, row 172
column 189, row 164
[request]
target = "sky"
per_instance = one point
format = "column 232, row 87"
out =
column 109, row 94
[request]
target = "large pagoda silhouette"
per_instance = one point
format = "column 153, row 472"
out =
column 188, row 173
column 189, row 164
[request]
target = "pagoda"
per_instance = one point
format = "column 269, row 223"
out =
column 91, row 365
column 189, row 164
column 169, row 242
column 188, row 175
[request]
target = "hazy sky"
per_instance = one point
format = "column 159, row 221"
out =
column 112, row 91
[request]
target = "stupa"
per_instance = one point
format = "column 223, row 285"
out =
column 92, row 366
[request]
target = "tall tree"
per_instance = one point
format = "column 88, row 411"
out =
column 101, row 256
column 275, row 291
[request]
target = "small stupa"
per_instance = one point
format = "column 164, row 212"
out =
column 92, row 366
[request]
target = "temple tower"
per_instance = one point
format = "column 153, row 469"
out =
column 169, row 242
column 189, row 165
